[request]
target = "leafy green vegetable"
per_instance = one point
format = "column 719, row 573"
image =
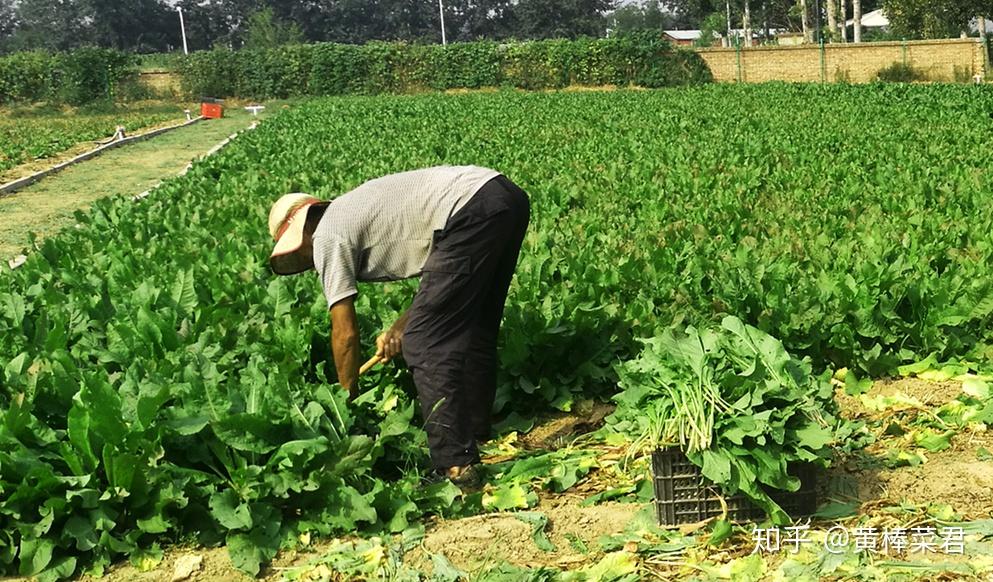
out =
column 767, row 410
column 151, row 364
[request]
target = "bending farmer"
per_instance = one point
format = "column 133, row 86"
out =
column 460, row 228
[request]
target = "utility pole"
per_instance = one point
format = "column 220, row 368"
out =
column 441, row 11
column 182, row 27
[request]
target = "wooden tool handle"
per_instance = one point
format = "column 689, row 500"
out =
column 366, row 366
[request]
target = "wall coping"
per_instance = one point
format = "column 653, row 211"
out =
column 847, row 45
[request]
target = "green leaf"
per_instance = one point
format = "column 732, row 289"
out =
column 249, row 551
column 230, row 511
column 720, row 530
column 716, row 466
column 538, row 522
column 59, row 569
column 183, row 294
column 932, row 441
column 249, row 432
column 916, row 368
column 854, row 386
column 505, row 497
column 35, row 555
column 81, row 530
column 444, row 571
column 103, row 406
column 814, row 437
column 838, row 509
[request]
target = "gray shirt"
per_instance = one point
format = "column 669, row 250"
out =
column 382, row 230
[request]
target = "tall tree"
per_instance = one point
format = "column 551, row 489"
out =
column 932, row 18
column 133, row 24
column 8, row 25
column 843, row 12
column 746, row 23
column 267, row 31
column 468, row 20
column 52, row 24
column 808, row 33
column 636, row 16
column 832, row 20
column 690, row 14
column 561, row 18
column 857, row 18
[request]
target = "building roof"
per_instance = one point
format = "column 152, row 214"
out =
column 874, row 19
column 683, row 34
column 878, row 19
column 974, row 25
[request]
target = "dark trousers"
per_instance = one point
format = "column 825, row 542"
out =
column 451, row 335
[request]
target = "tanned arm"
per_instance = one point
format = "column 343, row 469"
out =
column 345, row 344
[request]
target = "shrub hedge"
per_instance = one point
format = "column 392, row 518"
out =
column 336, row 69
column 92, row 74
column 76, row 78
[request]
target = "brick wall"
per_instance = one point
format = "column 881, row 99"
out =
column 940, row 60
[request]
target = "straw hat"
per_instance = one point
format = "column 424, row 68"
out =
column 287, row 219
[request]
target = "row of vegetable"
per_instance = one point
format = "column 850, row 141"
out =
column 159, row 382
column 27, row 135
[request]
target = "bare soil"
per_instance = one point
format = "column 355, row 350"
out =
column 560, row 428
column 954, row 476
column 475, row 543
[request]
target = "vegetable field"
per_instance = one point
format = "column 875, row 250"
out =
column 26, row 136
column 728, row 266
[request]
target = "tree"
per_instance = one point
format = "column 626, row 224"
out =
column 689, row 14
column 51, row 24
column 8, row 24
column 145, row 25
column 857, row 18
column 634, row 17
column 468, row 20
column 832, row 21
column 712, row 28
column 808, row 32
column 265, row 31
column 932, row 18
column 561, row 18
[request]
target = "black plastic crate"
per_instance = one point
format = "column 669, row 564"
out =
column 683, row 494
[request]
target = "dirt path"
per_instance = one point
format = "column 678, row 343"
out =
column 472, row 545
column 48, row 206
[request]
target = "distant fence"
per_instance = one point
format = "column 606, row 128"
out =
column 959, row 59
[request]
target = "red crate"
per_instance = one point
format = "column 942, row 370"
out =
column 211, row 110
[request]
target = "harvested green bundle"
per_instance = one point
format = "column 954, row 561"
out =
column 734, row 400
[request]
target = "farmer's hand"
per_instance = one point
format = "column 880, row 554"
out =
column 389, row 344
